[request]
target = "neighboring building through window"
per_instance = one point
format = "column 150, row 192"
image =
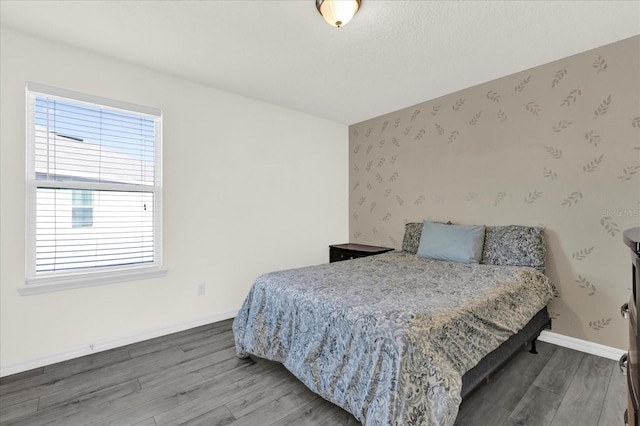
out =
column 82, row 208
column 94, row 190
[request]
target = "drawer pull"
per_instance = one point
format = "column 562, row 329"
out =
column 624, row 311
column 623, row 363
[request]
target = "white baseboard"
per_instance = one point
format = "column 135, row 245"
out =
column 581, row 345
column 103, row 345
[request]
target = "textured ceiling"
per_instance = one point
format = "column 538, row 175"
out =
column 393, row 54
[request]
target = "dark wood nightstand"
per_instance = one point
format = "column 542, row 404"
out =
column 340, row 252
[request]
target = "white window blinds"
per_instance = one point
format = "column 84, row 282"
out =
column 93, row 182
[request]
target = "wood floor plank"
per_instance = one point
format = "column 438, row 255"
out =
column 86, row 363
column 195, row 363
column 266, row 392
column 20, row 376
column 89, row 397
column 557, row 374
column 16, row 411
column 582, row 403
column 277, row 409
column 161, row 343
column 222, row 390
column 340, row 418
column 311, row 414
column 482, row 412
column 615, row 401
column 537, row 407
column 219, row 416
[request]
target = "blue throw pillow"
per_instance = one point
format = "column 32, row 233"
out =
column 455, row 243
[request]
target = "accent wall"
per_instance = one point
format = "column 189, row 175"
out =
column 556, row 146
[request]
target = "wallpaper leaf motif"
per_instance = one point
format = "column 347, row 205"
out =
column 600, row 65
column 603, row 108
column 499, row 198
column 378, row 178
column 399, row 200
column 520, row 87
column 599, row 324
column 368, row 132
column 572, row 199
column 396, row 123
column 386, row 217
column 419, row 135
column 470, row 196
column 609, row 225
column 393, row 177
column 384, row 126
column 592, row 138
column 475, row 118
column 532, row 197
column 369, row 148
column 381, row 143
column 571, row 97
column 387, row 192
column 501, row 115
column 564, row 124
column 458, row 104
column 635, row 122
column 584, row 283
column 548, row 173
column 493, row 96
column 439, row 129
column 452, row 136
column 628, row 172
column 395, row 142
column 592, row 165
column 407, row 130
column 419, row 200
column 533, row 108
column 582, row 254
column 558, row 76
column 414, row 115
column 554, row 152
column 435, row 110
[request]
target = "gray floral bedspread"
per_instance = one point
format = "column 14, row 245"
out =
column 388, row 337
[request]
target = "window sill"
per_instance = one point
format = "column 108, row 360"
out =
column 71, row 281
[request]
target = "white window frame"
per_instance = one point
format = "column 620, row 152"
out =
column 38, row 282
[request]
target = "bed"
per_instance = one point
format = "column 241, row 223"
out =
column 400, row 338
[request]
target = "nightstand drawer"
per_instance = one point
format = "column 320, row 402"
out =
column 341, row 252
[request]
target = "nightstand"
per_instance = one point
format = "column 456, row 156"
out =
column 340, row 252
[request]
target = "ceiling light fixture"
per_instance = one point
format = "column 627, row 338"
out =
column 337, row 12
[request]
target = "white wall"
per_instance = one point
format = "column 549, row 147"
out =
column 249, row 187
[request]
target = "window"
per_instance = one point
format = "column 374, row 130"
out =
column 82, row 210
column 94, row 190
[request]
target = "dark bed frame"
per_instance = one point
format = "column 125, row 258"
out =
column 488, row 365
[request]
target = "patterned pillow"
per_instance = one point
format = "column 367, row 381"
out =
column 412, row 233
column 515, row 245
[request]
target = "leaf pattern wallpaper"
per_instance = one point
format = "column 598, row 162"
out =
column 556, row 146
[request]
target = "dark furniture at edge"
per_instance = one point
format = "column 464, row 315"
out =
column 339, row 252
column 630, row 310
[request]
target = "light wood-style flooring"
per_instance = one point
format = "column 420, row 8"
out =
column 194, row 378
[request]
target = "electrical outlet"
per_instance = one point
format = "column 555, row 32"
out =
column 201, row 289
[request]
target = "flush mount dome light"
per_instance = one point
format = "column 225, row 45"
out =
column 337, row 12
